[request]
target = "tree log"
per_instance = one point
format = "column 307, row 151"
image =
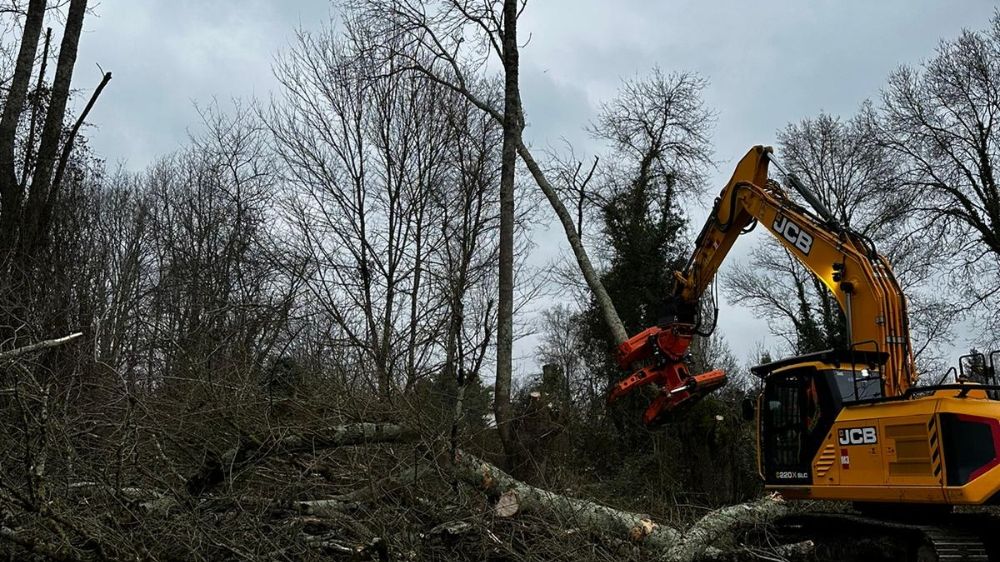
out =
column 15, row 353
column 523, row 498
column 252, row 450
column 701, row 540
column 721, row 523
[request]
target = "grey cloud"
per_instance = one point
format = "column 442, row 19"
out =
column 768, row 62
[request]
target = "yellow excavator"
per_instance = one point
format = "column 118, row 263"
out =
column 846, row 424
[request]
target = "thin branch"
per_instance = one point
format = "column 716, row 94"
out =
column 14, row 353
column 68, row 147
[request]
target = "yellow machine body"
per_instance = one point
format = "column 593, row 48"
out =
column 939, row 448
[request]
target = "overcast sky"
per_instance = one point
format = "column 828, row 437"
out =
column 768, row 63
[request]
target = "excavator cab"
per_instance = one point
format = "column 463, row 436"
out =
column 827, row 430
column 800, row 402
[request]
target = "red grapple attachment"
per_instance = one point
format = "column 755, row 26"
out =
column 670, row 342
column 664, row 350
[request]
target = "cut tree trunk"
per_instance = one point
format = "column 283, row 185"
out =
column 711, row 537
column 252, row 450
column 515, row 497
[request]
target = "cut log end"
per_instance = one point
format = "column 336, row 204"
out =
column 641, row 530
column 508, row 505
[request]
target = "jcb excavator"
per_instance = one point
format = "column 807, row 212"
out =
column 846, row 424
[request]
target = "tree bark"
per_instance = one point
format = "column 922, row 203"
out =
column 512, row 125
column 250, row 451
column 10, row 190
column 720, row 524
column 604, row 301
column 707, row 537
column 36, row 106
column 48, row 149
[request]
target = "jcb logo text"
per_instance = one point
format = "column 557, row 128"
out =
column 803, row 241
column 858, row 436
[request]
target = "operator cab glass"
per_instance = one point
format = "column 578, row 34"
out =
column 857, row 385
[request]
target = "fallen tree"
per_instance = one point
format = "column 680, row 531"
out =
column 712, row 537
column 252, row 450
column 339, row 524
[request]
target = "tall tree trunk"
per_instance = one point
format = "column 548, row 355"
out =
column 10, row 189
column 32, row 231
column 36, row 107
column 512, row 124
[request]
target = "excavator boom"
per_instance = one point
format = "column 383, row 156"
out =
column 858, row 277
column 847, row 264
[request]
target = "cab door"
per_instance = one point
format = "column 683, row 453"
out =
column 797, row 414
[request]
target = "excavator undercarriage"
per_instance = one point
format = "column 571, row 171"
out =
column 922, row 537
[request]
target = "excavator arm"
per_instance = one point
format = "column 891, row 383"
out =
column 859, row 278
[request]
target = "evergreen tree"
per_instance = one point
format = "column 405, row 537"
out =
column 642, row 230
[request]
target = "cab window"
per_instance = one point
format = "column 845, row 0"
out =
column 863, row 384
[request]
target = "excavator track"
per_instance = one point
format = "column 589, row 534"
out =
column 951, row 544
column 946, row 538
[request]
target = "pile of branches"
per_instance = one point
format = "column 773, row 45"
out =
column 156, row 474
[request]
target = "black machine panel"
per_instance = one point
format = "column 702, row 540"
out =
column 971, row 446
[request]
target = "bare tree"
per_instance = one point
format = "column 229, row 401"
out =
column 939, row 120
column 658, row 124
column 121, row 285
column 34, row 180
column 469, row 222
column 29, row 217
column 43, row 190
column 779, row 289
column 513, row 124
column 563, row 345
column 391, row 177
column 436, row 36
column 427, row 38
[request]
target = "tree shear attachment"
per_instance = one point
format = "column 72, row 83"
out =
column 663, row 351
